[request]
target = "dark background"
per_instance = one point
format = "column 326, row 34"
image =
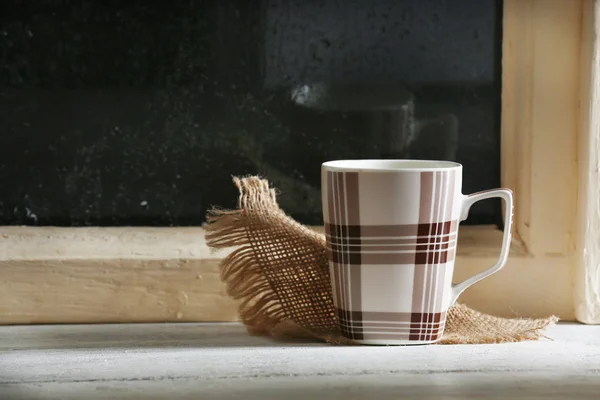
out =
column 139, row 113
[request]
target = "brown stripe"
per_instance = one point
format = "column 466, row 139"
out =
column 417, row 332
column 366, row 242
column 353, row 198
column 424, row 229
column 449, row 193
column 340, row 219
column 391, row 246
column 433, row 250
column 353, row 207
column 369, row 333
column 437, row 288
column 357, row 249
column 427, row 332
column 436, row 199
column 330, row 200
column 424, row 328
column 434, row 229
column 333, row 216
column 329, row 221
column 399, row 231
column 344, row 216
column 396, row 324
column 367, row 316
column 332, row 222
column 426, row 257
column 369, row 325
column 441, row 210
column 341, row 199
column 413, row 330
column 428, row 202
column 436, row 335
column 436, row 255
column 325, row 195
column 426, row 197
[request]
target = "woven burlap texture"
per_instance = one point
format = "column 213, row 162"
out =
column 278, row 271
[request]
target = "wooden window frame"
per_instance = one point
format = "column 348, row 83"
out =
column 550, row 159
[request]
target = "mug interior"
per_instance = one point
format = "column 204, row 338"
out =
column 389, row 165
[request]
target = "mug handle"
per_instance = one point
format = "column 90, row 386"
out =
column 468, row 201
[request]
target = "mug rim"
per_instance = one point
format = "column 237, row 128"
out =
column 389, row 165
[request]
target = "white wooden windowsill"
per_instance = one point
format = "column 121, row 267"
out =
column 220, row 361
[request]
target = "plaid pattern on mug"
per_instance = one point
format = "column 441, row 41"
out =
column 391, row 241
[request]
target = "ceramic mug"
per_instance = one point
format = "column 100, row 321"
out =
column 391, row 228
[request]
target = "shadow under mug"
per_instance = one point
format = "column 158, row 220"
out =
column 391, row 229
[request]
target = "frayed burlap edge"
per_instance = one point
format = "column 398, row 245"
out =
column 260, row 308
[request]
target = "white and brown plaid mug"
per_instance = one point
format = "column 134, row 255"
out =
column 391, row 229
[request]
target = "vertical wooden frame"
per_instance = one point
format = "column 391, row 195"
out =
column 587, row 262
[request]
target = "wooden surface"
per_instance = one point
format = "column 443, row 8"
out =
column 79, row 275
column 219, row 361
column 587, row 272
column 541, row 100
column 142, row 243
column 112, row 290
column 139, row 243
column 543, row 94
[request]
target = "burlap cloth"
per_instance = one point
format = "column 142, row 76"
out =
column 278, row 271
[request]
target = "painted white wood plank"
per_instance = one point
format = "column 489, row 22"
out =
column 219, row 361
column 497, row 386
